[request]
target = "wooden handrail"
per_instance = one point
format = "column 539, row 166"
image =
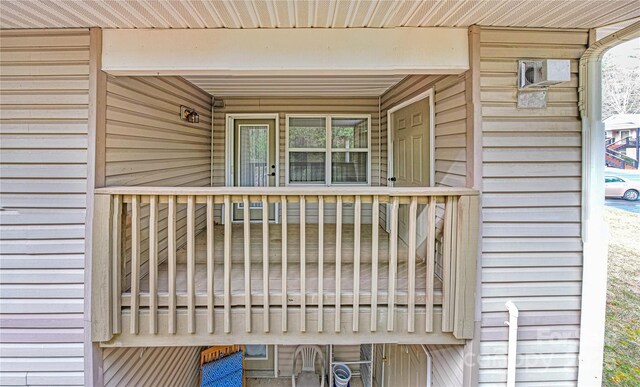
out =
column 290, row 191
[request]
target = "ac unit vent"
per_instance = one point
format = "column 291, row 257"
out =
column 541, row 73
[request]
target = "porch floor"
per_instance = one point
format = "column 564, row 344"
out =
column 293, row 271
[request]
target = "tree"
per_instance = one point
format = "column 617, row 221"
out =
column 621, row 82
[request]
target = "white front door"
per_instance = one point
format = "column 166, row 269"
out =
column 255, row 164
column 411, row 152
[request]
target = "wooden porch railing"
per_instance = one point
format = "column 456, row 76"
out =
column 124, row 253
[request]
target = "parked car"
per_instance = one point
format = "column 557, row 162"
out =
column 616, row 186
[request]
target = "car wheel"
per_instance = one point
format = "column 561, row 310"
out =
column 631, row 194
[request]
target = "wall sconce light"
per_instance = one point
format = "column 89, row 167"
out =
column 188, row 114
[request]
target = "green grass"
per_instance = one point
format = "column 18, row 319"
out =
column 622, row 332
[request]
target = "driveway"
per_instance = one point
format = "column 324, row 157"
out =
column 624, row 204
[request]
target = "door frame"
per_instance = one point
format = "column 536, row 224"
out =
column 432, row 138
column 229, row 147
column 432, row 118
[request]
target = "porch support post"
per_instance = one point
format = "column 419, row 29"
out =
column 465, row 269
column 594, row 232
column 471, row 369
column 101, row 327
column 96, row 124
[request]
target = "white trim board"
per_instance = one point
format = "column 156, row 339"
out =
column 353, row 51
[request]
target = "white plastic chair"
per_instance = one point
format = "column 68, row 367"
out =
column 308, row 377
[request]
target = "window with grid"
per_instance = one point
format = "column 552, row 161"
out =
column 328, row 150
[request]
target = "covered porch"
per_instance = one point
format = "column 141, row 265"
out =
column 309, row 206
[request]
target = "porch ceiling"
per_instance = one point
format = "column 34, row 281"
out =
column 295, row 85
column 314, row 13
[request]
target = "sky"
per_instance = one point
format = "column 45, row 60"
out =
column 626, row 54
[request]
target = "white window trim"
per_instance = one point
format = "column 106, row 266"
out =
column 327, row 149
column 266, row 357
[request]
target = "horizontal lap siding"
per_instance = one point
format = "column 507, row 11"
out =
column 531, row 247
column 44, row 81
column 148, row 144
column 154, row 366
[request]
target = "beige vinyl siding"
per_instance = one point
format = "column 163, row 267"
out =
column 531, row 247
column 154, row 366
column 148, row 144
column 44, row 80
column 297, row 105
column 447, row 364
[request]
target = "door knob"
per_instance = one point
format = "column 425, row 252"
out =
column 392, row 178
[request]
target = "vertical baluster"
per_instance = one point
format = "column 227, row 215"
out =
column 153, row 264
column 356, row 262
column 191, row 264
column 446, row 262
column 246, row 222
column 393, row 263
column 338, row 261
column 320, row 262
column 431, row 262
column 135, row 262
column 265, row 262
column 411, row 251
column 375, row 225
column 303, row 263
column 171, row 247
column 283, row 205
column 453, row 262
column 210, row 264
column 116, row 261
column 227, row 263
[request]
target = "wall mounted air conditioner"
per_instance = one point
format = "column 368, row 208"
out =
column 542, row 73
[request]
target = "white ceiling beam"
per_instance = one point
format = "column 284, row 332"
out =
column 353, row 51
